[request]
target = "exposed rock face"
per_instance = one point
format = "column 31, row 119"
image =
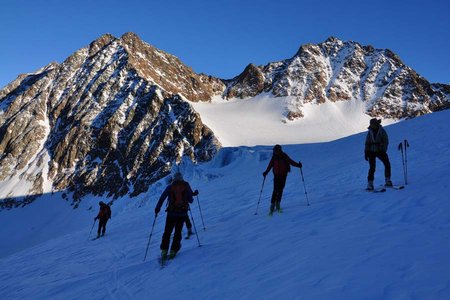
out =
column 102, row 122
column 168, row 72
column 341, row 71
column 248, row 84
column 112, row 118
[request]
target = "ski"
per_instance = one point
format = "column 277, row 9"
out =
column 380, row 190
column 396, row 187
column 271, row 214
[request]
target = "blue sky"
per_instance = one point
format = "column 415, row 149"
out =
column 221, row 37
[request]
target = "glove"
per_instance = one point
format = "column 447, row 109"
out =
column 366, row 156
column 300, row 164
column 195, row 193
column 265, row 173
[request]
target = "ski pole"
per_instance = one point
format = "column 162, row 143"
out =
column 304, row 185
column 201, row 214
column 195, row 228
column 400, row 148
column 150, row 237
column 260, row 194
column 91, row 229
column 406, row 162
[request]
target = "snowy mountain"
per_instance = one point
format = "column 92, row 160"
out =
column 348, row 244
column 101, row 123
column 119, row 114
column 339, row 71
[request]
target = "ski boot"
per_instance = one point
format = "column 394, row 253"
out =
column 370, row 186
column 388, row 182
column 272, row 209
column 172, row 254
column 278, row 207
column 163, row 254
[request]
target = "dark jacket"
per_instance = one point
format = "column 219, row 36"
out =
column 179, row 194
column 104, row 213
column 376, row 140
column 281, row 164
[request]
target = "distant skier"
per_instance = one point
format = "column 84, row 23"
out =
column 180, row 194
column 376, row 146
column 103, row 216
column 281, row 164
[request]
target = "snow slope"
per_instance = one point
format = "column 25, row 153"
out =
column 261, row 120
column 348, row 244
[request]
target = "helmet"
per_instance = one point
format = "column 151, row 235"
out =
column 177, row 177
column 375, row 122
column 277, row 148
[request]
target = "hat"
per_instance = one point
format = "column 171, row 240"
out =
column 375, row 121
column 177, row 177
column 101, row 203
column 277, row 147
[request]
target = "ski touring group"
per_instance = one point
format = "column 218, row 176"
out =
column 179, row 194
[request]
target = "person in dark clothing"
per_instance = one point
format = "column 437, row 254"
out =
column 376, row 146
column 179, row 194
column 103, row 216
column 281, row 164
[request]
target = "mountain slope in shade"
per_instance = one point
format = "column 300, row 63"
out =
column 98, row 124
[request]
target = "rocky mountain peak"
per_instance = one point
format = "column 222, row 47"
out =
column 248, row 84
column 333, row 40
column 100, row 43
column 110, row 120
column 343, row 71
column 167, row 71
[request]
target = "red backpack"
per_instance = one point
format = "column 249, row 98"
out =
column 281, row 165
column 178, row 202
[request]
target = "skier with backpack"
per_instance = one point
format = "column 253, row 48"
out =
column 179, row 194
column 103, row 216
column 281, row 164
column 376, row 146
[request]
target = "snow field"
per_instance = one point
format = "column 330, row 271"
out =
column 348, row 244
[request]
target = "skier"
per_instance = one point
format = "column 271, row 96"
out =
column 180, row 194
column 281, row 164
column 103, row 216
column 376, row 146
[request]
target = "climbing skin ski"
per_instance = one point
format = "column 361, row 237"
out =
column 380, row 190
column 395, row 187
column 275, row 211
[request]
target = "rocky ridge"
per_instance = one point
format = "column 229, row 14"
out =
column 110, row 120
column 113, row 117
column 340, row 71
